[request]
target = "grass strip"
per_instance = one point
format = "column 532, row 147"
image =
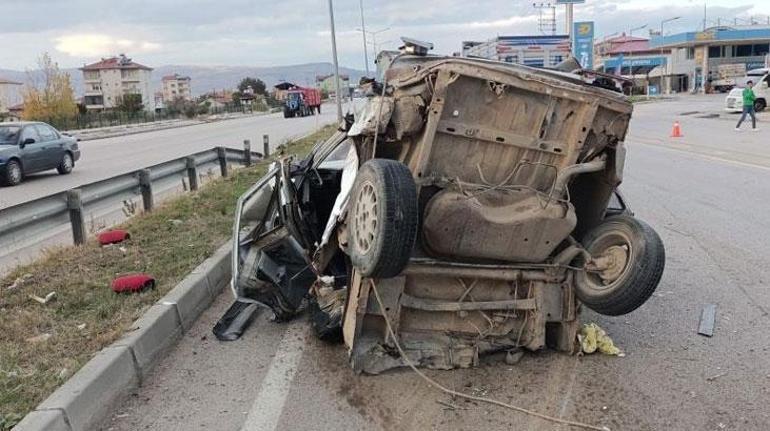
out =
column 42, row 345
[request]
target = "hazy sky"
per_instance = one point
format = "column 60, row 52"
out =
column 264, row 33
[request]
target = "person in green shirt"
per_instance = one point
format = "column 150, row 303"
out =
column 748, row 106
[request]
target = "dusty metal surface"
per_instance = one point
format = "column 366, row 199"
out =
column 511, row 165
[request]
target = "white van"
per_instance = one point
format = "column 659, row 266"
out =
column 761, row 79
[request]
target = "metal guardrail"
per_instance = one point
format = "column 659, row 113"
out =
column 34, row 221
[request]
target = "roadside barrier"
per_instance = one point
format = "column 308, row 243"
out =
column 34, row 221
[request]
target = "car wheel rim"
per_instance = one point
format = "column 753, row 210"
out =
column 67, row 162
column 613, row 253
column 366, row 218
column 15, row 173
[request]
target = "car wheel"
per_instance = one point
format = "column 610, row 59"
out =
column 383, row 218
column 628, row 261
column 760, row 105
column 13, row 174
column 66, row 164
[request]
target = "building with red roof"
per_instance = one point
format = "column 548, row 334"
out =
column 109, row 80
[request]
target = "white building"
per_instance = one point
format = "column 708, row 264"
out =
column 10, row 94
column 535, row 51
column 108, row 80
column 176, row 86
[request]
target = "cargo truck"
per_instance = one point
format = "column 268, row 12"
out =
column 301, row 102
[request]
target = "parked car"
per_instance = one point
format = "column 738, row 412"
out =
column 761, row 79
column 29, row 147
column 470, row 210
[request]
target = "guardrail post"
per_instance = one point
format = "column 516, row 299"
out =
column 145, row 185
column 192, row 173
column 247, row 152
column 77, row 218
column 266, row 145
column 222, row 155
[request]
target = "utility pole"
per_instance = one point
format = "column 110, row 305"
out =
column 338, row 95
column 363, row 34
column 570, row 18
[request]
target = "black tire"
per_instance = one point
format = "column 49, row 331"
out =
column 383, row 218
column 66, row 164
column 760, row 105
column 285, row 113
column 13, row 174
column 628, row 285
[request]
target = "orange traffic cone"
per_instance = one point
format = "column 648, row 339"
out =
column 676, row 132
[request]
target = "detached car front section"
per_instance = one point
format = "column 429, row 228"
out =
column 470, row 208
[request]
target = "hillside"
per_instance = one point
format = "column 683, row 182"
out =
column 206, row 78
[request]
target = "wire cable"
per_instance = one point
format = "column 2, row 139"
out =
column 448, row 391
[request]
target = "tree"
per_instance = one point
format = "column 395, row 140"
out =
column 129, row 103
column 48, row 95
column 257, row 85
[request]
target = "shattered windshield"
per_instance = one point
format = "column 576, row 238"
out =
column 9, row 135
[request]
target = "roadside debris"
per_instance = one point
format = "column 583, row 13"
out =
column 113, row 236
column 39, row 338
column 133, row 283
column 593, row 338
column 48, row 298
column 513, row 357
column 707, row 320
column 19, row 281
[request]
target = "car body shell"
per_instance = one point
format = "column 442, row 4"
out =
column 510, row 163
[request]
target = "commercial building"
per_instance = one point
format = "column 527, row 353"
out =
column 176, row 86
column 326, row 83
column 535, row 51
column 632, row 57
column 110, row 79
column 10, row 95
column 696, row 56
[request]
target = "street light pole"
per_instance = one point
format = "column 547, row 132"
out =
column 336, row 64
column 363, row 34
column 672, row 54
column 373, row 36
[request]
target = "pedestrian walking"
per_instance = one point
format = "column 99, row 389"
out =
column 748, row 106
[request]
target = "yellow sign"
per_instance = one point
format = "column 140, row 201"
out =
column 705, row 35
column 585, row 28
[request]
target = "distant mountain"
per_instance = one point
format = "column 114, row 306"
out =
column 207, row 78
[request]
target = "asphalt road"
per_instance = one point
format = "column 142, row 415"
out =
column 711, row 211
column 104, row 158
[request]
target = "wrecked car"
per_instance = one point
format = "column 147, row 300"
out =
column 471, row 207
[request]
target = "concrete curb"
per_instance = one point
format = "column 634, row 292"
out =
column 84, row 400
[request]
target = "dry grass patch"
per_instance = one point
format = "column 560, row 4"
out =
column 41, row 345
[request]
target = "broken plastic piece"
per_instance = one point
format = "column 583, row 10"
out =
column 237, row 318
column 113, row 236
column 133, row 283
column 593, row 338
column 48, row 298
column 707, row 318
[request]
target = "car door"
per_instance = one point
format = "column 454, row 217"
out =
column 31, row 150
column 52, row 148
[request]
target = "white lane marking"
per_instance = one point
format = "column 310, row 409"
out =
column 707, row 156
column 568, row 394
column 266, row 411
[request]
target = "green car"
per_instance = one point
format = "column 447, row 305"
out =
column 29, row 147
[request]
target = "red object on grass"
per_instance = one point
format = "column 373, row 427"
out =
column 113, row 236
column 133, row 283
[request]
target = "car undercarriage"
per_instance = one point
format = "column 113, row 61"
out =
column 471, row 207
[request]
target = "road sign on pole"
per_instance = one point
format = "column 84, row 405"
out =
column 583, row 43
